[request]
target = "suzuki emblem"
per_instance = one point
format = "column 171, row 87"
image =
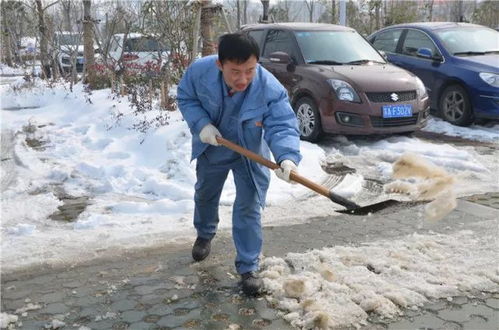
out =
column 394, row 97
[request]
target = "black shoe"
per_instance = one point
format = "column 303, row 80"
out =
column 201, row 249
column 251, row 283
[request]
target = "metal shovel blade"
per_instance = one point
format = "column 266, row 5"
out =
column 372, row 208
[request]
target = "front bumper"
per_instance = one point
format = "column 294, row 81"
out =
column 368, row 117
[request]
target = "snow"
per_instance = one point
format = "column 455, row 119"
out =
column 6, row 319
column 7, row 70
column 474, row 132
column 336, row 287
column 139, row 188
column 141, row 185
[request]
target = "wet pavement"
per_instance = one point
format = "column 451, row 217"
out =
column 164, row 289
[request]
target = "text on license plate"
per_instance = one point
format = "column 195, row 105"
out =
column 396, row 111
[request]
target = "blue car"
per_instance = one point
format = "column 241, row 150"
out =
column 457, row 62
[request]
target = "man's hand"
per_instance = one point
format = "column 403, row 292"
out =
column 209, row 135
column 286, row 167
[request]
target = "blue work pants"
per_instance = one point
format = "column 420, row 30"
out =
column 246, row 212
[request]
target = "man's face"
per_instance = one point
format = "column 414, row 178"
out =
column 238, row 76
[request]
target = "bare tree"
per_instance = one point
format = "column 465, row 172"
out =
column 66, row 14
column 45, row 57
column 207, row 33
column 487, row 13
column 265, row 15
column 310, row 7
column 428, row 8
column 88, row 44
column 7, row 56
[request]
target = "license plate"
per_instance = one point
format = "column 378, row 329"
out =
column 397, row 111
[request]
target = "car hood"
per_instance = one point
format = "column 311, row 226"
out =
column 480, row 63
column 372, row 78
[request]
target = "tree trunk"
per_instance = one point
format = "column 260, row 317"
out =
column 195, row 33
column 333, row 12
column 310, row 7
column 377, row 16
column 5, row 40
column 245, row 11
column 66, row 8
column 265, row 15
column 238, row 3
column 430, row 10
column 88, row 44
column 42, row 29
column 207, row 28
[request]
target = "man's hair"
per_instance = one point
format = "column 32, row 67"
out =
column 237, row 47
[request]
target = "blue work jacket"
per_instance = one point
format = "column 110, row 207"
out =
column 266, row 119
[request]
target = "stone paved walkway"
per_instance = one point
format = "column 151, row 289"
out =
column 164, row 289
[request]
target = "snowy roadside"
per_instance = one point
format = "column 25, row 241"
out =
column 140, row 194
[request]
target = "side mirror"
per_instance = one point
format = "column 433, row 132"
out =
column 428, row 54
column 424, row 53
column 280, row 57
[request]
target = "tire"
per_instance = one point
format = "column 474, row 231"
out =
column 309, row 120
column 455, row 107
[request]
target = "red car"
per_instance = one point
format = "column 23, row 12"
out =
column 338, row 83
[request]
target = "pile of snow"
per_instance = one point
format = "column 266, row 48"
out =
column 339, row 287
column 490, row 133
column 10, row 71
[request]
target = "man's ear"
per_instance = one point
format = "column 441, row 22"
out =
column 219, row 65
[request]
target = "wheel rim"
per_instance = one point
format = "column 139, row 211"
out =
column 306, row 119
column 454, row 106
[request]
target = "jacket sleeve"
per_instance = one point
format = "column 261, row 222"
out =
column 281, row 129
column 189, row 105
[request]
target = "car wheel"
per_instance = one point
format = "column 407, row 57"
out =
column 455, row 106
column 309, row 120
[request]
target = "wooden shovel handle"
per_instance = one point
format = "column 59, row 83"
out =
column 265, row 162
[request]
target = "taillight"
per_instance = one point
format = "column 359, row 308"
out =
column 130, row 57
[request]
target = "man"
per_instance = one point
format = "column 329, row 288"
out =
column 232, row 96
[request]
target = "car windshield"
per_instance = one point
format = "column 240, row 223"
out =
column 143, row 45
column 469, row 41
column 69, row 39
column 331, row 47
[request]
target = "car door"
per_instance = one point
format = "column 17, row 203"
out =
column 281, row 41
column 429, row 70
column 388, row 42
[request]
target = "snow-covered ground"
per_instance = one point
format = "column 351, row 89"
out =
column 140, row 186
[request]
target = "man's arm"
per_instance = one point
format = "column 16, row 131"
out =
column 190, row 106
column 281, row 130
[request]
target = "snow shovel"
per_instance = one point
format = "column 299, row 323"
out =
column 351, row 207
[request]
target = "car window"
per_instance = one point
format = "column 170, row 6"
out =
column 458, row 40
column 279, row 41
column 69, row 39
column 257, row 35
column 142, row 45
column 387, row 40
column 335, row 46
column 415, row 40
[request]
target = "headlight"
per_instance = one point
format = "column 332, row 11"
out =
column 421, row 87
column 490, row 78
column 344, row 91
